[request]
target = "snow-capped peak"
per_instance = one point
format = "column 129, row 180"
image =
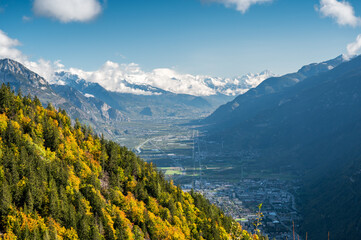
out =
column 129, row 78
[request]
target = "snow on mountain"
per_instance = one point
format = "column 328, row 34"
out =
column 10, row 66
column 89, row 95
column 129, row 78
column 237, row 85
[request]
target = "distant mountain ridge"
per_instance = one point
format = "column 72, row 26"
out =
column 92, row 89
column 162, row 81
column 8, row 66
column 18, row 75
column 250, row 103
column 160, row 102
column 92, row 111
column 165, row 92
column 237, row 85
column 100, row 108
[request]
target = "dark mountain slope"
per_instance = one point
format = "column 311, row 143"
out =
column 315, row 127
column 332, row 203
column 310, row 113
column 255, row 100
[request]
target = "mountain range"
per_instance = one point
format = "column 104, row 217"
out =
column 250, row 103
column 91, row 110
column 131, row 79
column 161, row 103
column 308, row 121
column 103, row 108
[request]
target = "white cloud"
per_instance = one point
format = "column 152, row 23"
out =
column 240, row 5
column 26, row 19
column 342, row 12
column 354, row 47
column 68, row 10
column 120, row 77
column 43, row 67
column 8, row 47
column 123, row 77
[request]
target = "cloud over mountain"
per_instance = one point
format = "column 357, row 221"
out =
column 8, row 49
column 127, row 78
column 354, row 47
column 342, row 12
column 240, row 5
column 130, row 78
column 68, row 10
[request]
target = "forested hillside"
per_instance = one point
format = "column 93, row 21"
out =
column 59, row 181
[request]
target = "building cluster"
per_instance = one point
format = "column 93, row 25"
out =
column 240, row 200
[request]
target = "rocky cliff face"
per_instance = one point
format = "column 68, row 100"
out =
column 87, row 108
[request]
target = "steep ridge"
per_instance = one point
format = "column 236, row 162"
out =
column 310, row 112
column 254, row 101
column 18, row 76
column 91, row 111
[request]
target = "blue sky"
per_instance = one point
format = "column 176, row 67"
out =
column 190, row 36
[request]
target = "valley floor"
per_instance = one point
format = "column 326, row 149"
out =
column 231, row 180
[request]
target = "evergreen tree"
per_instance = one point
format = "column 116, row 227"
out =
column 64, row 182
